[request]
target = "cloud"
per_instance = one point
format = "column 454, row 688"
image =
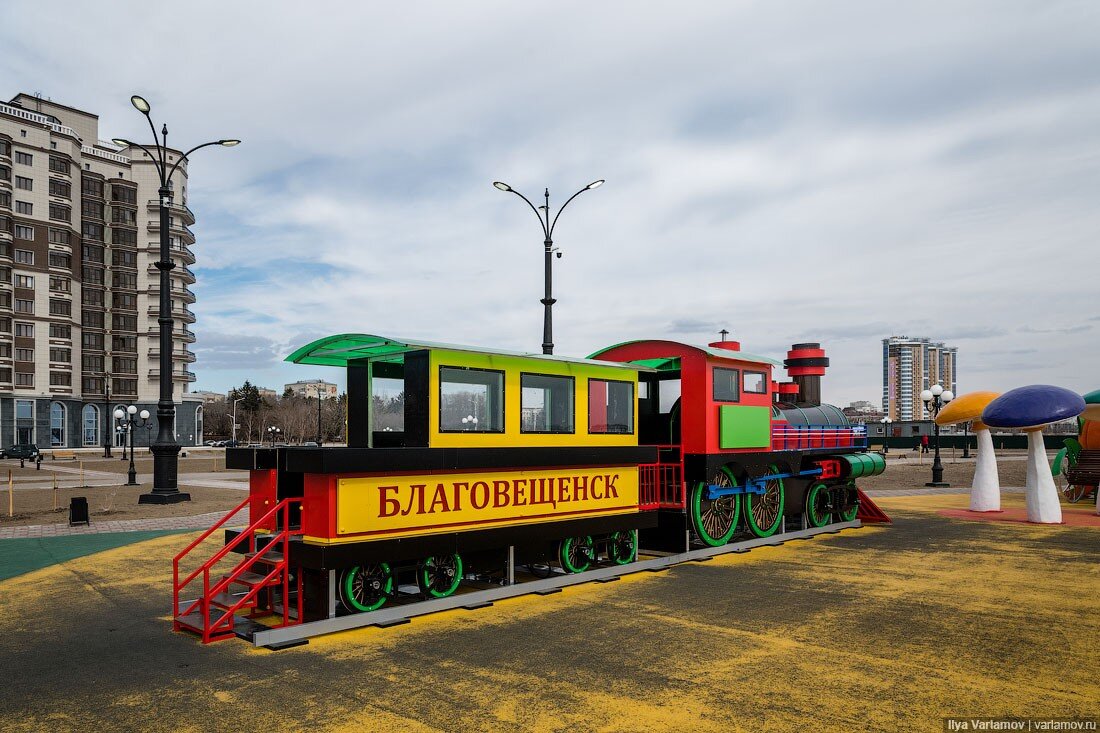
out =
column 230, row 351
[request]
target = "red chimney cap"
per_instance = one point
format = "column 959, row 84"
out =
column 728, row 345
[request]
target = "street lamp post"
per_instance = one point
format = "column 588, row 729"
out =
column 107, row 414
column 934, row 400
column 127, row 421
column 319, row 440
column 886, row 435
column 272, row 432
column 966, row 439
column 165, row 449
column 547, row 224
column 234, row 428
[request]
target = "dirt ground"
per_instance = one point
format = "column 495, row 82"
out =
column 909, row 473
column 117, row 502
column 202, row 463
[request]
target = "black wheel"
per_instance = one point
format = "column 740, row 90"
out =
column 540, row 569
column 366, row 587
column 577, row 554
column 848, row 492
column 715, row 520
column 622, row 547
column 440, row 575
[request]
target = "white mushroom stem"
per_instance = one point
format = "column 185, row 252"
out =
column 985, row 494
column 1041, row 496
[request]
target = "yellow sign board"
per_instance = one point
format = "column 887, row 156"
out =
column 396, row 506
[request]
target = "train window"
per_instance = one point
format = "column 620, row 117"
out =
column 388, row 398
column 546, row 404
column 471, row 400
column 669, row 395
column 754, row 383
column 726, row 385
column 610, row 406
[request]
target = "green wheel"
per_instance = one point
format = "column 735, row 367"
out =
column 439, row 576
column 850, row 514
column 366, row 587
column 577, row 553
column 622, row 547
column 764, row 512
column 715, row 520
column 818, row 505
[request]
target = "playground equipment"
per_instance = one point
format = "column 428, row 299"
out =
column 985, row 493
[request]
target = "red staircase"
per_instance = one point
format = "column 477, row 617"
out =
column 258, row 586
column 869, row 512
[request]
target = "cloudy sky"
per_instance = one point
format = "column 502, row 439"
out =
column 790, row 171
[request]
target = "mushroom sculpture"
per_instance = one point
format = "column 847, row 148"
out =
column 1029, row 409
column 985, row 493
column 1089, row 435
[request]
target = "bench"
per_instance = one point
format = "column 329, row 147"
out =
column 63, row 455
column 1086, row 472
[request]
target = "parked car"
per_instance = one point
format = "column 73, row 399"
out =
column 231, row 443
column 21, row 450
column 310, row 444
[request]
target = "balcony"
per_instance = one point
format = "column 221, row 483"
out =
column 179, row 312
column 183, row 294
column 179, row 231
column 179, row 251
column 182, row 210
column 185, row 335
column 38, row 120
column 178, row 355
column 178, row 375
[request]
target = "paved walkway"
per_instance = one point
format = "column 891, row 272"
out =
column 873, row 493
column 198, row 521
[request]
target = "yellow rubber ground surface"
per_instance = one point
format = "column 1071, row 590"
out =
column 882, row 628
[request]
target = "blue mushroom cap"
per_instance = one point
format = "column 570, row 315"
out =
column 1032, row 406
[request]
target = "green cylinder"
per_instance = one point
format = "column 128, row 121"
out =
column 863, row 464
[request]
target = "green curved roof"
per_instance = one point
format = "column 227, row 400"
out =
column 338, row 350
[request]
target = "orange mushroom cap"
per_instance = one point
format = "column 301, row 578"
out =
column 967, row 407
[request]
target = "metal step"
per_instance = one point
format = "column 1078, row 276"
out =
column 193, row 622
column 253, row 579
column 228, row 600
column 268, row 558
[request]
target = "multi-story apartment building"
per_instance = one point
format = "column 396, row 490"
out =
column 311, row 388
column 79, row 233
column 909, row 366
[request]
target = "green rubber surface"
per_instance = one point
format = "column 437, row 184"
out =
column 24, row 555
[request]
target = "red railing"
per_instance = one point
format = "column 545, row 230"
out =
column 809, row 437
column 662, row 483
column 222, row 627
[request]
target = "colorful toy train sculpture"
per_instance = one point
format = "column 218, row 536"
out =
column 565, row 464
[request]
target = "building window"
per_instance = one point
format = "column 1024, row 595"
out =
column 24, row 256
column 5, row 274
column 61, row 379
column 24, row 207
column 198, row 425
column 754, row 383
column 5, row 299
column 62, row 260
column 126, row 344
column 91, row 363
column 60, row 212
column 92, row 319
column 25, row 184
column 124, row 323
column 60, row 236
column 92, row 340
column 93, row 276
column 125, row 386
column 24, row 158
column 60, row 284
column 91, row 187
column 62, row 189
column 471, row 400
column 24, row 306
column 546, row 404
column 23, row 232
column 124, row 236
column 127, row 280
column 90, row 416
column 59, row 165
column 24, row 354
column 60, row 307
column 91, row 209
column 126, row 301
column 123, row 216
column 92, row 385
column 94, row 232
column 124, row 194
column 5, row 351
column 91, row 296
column 5, row 173
column 24, row 281
column 5, row 325
column 24, row 379
column 726, row 385
column 124, row 365
column 5, row 199
column 122, row 258
column 610, row 406
column 61, row 355
column 57, row 424
column 92, row 252
column 61, row 331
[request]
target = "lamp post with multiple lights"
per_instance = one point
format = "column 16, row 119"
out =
column 547, row 224
column 886, row 434
column 165, row 449
column 127, row 422
column 273, row 432
column 934, row 400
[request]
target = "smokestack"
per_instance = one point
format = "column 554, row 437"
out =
column 806, row 365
